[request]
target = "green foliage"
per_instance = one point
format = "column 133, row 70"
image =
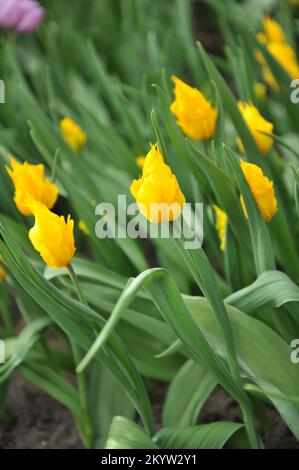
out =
column 197, row 319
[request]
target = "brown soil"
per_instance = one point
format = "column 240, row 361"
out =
column 37, row 421
column 221, row 407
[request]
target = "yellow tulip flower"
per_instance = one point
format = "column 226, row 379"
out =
column 152, row 160
column 140, row 161
column 221, row 222
column 194, row 113
column 30, row 182
column 83, row 227
column 274, row 39
column 157, row 192
column 2, row 271
column 286, row 57
column 273, row 32
column 52, row 236
column 262, row 190
column 260, row 91
column 74, row 136
column 256, row 124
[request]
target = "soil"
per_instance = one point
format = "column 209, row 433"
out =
column 206, row 29
column 221, row 407
column 37, row 421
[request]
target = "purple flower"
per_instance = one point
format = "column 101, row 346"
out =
column 22, row 15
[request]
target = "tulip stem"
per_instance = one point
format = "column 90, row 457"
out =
column 86, row 431
column 76, row 284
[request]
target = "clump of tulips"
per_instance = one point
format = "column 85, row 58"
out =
column 128, row 312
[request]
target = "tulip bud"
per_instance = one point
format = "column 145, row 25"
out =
column 275, row 40
column 140, row 161
column 221, row 222
column 257, row 125
column 194, row 113
column 83, row 227
column 52, row 236
column 273, row 30
column 30, row 182
column 74, row 136
column 24, row 16
column 260, row 90
column 157, row 192
column 2, row 271
column 262, row 190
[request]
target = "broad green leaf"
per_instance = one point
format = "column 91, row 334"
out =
column 205, row 436
column 22, row 346
column 271, row 289
column 124, row 434
column 106, row 399
column 187, row 394
column 262, row 353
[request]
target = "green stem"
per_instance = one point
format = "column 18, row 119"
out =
column 86, row 430
column 254, row 441
column 7, row 318
column 201, row 269
column 76, row 284
column 128, row 295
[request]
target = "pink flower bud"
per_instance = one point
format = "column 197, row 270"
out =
column 22, row 15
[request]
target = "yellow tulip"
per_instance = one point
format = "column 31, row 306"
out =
column 273, row 32
column 152, row 160
column 30, row 182
column 74, row 136
column 83, row 227
column 221, row 222
column 157, row 192
column 194, row 113
column 2, row 272
column 286, row 57
column 266, row 71
column 256, row 124
column 262, row 190
column 52, row 236
column 260, row 90
column 274, row 39
column 140, row 161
